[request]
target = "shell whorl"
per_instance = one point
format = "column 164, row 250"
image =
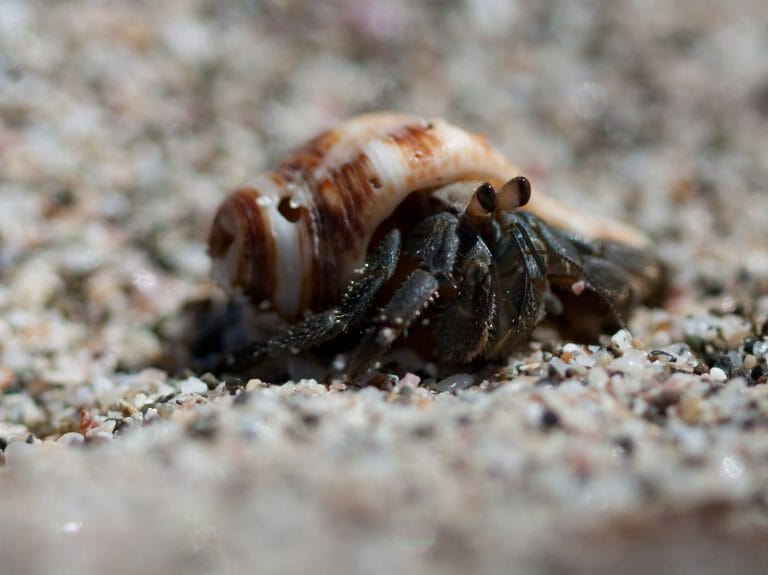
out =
column 296, row 235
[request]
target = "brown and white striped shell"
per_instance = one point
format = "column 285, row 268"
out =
column 295, row 236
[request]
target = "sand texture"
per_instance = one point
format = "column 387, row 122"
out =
column 124, row 124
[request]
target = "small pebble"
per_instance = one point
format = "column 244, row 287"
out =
column 621, row 341
column 16, row 451
column 624, row 446
column 71, row 438
column 557, row 367
column 725, row 363
column 597, row 377
column 585, row 360
column 689, row 408
column 410, row 379
column 454, row 382
column 255, row 384
column 660, row 355
column 105, row 429
column 633, row 363
column 194, row 385
column 718, row 374
column 759, row 349
column 734, row 331
column 549, row 419
column 210, row 380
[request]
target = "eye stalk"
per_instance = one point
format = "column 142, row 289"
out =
column 483, row 201
column 514, row 194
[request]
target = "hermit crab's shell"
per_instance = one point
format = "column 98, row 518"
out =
column 295, row 236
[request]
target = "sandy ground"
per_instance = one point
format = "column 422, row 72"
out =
column 124, row 124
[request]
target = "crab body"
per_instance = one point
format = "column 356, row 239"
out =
column 387, row 197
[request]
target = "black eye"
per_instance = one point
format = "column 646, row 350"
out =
column 524, row 189
column 486, row 195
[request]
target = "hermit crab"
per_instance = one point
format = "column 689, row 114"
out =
column 387, row 218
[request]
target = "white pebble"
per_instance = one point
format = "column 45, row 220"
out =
column 103, row 435
column 141, row 399
column 572, row 348
column 732, row 467
column 585, row 360
column 598, row 378
column 194, row 385
column 409, row 379
column 760, row 348
column 35, row 284
column 621, row 341
column 71, row 438
column 559, row 366
column 103, row 430
column 16, row 451
column 255, row 384
column 632, row 363
column 734, row 330
column 718, row 374
column 602, row 358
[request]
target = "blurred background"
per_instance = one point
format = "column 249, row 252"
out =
column 124, row 123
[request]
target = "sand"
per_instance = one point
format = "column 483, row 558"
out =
column 124, row 124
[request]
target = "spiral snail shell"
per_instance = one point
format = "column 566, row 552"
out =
column 295, row 235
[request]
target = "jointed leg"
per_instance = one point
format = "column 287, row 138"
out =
column 434, row 244
column 578, row 259
column 647, row 271
column 321, row 327
column 523, row 275
column 360, row 292
column 465, row 327
column 405, row 306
